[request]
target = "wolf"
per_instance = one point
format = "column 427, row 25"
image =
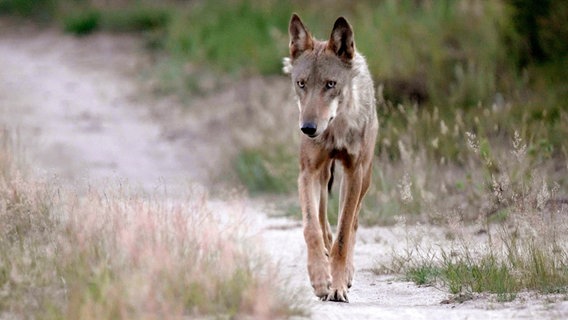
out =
column 336, row 99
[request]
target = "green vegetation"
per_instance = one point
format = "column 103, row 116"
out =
column 243, row 37
column 515, row 261
column 143, row 19
column 40, row 10
column 265, row 172
column 112, row 255
column 83, row 22
column 450, row 54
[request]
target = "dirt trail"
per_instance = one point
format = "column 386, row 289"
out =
column 81, row 118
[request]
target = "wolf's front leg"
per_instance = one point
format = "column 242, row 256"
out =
column 318, row 257
column 318, row 264
column 341, row 264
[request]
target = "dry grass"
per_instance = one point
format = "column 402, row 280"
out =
column 112, row 255
column 516, row 244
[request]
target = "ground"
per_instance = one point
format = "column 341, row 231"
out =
column 82, row 118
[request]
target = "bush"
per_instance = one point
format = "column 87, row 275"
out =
column 82, row 22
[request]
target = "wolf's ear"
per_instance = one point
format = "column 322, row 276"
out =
column 300, row 38
column 341, row 41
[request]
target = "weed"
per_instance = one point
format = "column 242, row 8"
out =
column 423, row 275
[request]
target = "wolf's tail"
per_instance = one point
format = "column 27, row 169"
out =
column 330, row 182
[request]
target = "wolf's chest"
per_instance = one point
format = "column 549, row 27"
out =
column 341, row 138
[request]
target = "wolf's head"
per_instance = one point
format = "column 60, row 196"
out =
column 321, row 73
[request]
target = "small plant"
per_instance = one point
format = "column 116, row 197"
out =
column 423, row 274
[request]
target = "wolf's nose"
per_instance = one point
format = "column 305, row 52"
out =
column 309, row 128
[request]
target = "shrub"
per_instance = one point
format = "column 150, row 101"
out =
column 82, row 22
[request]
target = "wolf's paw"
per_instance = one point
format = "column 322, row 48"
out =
column 338, row 295
column 320, row 277
column 339, row 284
column 321, row 289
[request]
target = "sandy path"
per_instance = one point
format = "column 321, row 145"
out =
column 81, row 118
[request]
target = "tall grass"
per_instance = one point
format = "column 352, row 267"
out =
column 112, row 255
column 525, row 225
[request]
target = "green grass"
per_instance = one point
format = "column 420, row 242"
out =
column 272, row 171
column 502, row 273
column 242, row 37
column 423, row 274
column 40, row 10
column 487, row 275
column 458, row 52
column 139, row 18
column 83, row 22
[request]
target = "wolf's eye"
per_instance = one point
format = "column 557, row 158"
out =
column 330, row 84
column 301, row 84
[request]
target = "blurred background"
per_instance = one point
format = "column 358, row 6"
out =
column 472, row 94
